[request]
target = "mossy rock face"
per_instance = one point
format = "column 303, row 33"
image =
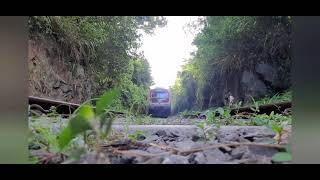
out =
column 252, row 85
column 267, row 72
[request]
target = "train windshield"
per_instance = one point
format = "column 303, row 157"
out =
column 160, row 95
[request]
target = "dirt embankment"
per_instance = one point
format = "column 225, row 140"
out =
column 53, row 76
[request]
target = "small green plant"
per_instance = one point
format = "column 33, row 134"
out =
column 238, row 105
column 86, row 119
column 226, row 113
column 260, row 120
column 283, row 156
column 201, row 126
column 53, row 112
column 255, row 107
column 189, row 114
column 219, row 110
column 137, row 135
column 50, row 139
column 270, row 120
column 279, row 131
column 207, row 130
column 279, row 128
column 224, row 116
column 277, row 98
column 210, row 117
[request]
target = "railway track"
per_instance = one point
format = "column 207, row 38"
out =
column 68, row 108
column 44, row 105
column 266, row 108
column 62, row 107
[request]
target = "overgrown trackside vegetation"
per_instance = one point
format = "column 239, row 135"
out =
column 247, row 58
column 106, row 47
column 229, row 48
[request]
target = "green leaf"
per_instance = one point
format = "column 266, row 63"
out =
column 86, row 112
column 276, row 128
column 65, row 137
column 77, row 125
column 226, row 113
column 210, row 116
column 282, row 157
column 106, row 121
column 220, row 111
column 80, row 123
column 105, row 100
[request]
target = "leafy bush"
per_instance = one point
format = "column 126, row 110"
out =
column 226, row 46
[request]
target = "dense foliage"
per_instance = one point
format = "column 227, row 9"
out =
column 227, row 46
column 106, row 46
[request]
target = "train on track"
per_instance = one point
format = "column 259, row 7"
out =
column 159, row 102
